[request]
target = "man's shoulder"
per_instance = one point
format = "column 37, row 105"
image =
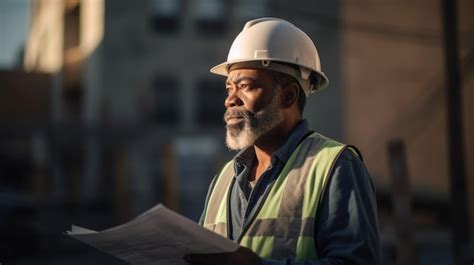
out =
column 348, row 152
column 321, row 137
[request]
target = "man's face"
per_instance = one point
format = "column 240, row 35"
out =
column 253, row 107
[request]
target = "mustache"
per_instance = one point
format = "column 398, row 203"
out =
column 238, row 113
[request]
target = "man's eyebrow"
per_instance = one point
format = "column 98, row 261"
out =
column 240, row 79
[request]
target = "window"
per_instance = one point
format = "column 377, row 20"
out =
column 165, row 15
column 211, row 95
column 252, row 9
column 210, row 17
column 165, row 93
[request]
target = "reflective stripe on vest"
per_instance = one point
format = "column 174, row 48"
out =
column 284, row 225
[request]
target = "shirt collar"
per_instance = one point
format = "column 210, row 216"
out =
column 283, row 153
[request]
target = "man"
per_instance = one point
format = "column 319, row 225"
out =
column 290, row 196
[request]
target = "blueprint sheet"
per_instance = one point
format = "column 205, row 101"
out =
column 158, row 236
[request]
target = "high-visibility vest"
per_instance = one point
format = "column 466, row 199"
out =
column 283, row 227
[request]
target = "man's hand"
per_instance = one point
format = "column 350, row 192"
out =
column 242, row 256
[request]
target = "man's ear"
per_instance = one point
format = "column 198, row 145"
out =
column 290, row 95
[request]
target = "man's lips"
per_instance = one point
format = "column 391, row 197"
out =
column 233, row 120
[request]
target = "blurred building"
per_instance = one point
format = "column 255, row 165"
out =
column 395, row 89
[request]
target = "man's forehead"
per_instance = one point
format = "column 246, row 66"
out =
column 251, row 73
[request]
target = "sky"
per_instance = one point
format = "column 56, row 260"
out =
column 14, row 21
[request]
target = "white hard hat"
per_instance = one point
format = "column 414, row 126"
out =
column 276, row 44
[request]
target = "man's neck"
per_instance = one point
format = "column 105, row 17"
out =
column 265, row 146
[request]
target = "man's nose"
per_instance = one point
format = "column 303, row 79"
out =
column 232, row 100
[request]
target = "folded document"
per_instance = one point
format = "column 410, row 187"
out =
column 158, row 236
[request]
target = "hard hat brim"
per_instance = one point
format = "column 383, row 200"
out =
column 222, row 69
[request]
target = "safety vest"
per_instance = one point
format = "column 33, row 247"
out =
column 283, row 226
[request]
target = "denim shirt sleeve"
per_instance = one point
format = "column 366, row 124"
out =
column 346, row 223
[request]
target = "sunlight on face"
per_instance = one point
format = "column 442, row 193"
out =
column 243, row 135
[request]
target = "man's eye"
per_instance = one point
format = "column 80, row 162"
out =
column 244, row 86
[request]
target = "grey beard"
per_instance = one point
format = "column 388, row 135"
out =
column 244, row 135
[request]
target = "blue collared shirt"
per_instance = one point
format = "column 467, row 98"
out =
column 346, row 224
